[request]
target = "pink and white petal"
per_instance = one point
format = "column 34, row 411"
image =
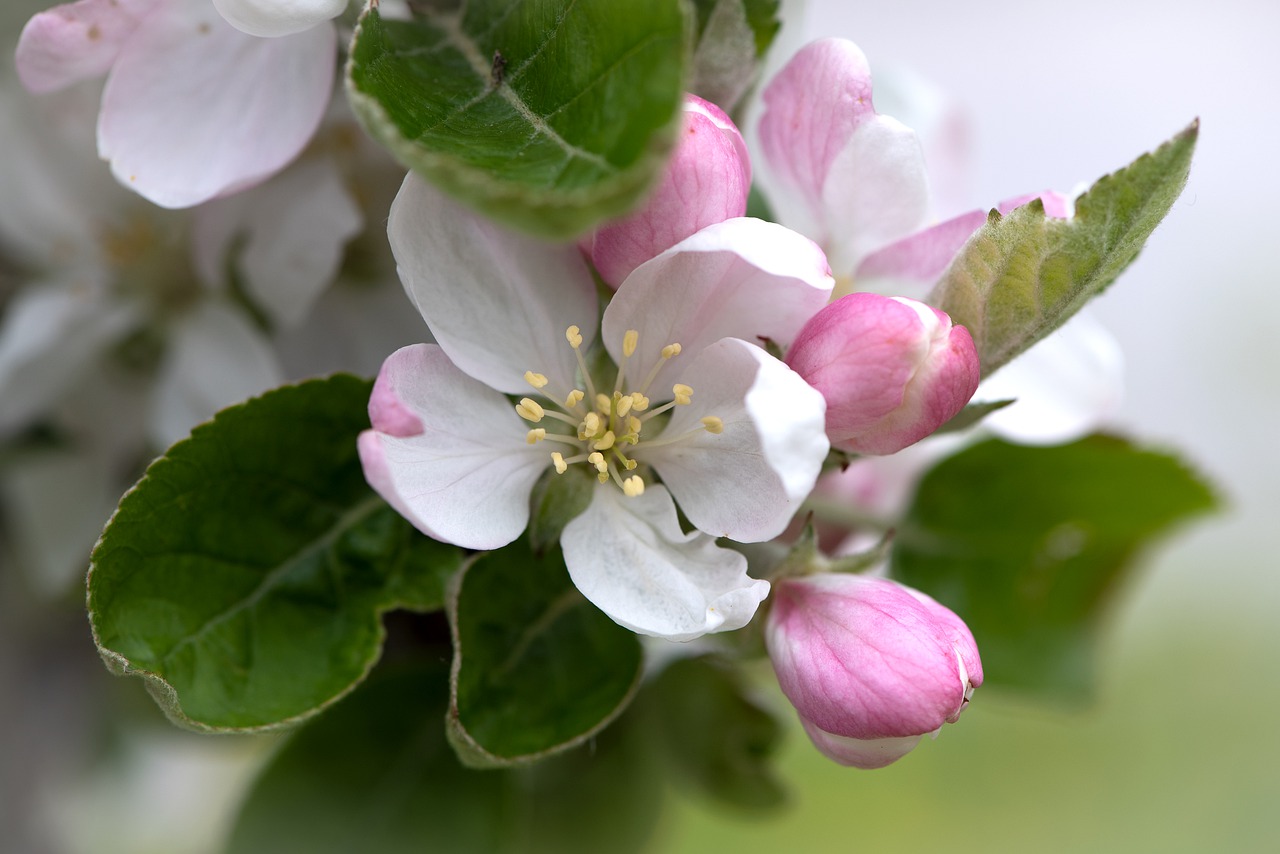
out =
column 75, row 41
column 1056, row 205
column 629, row 557
column 498, row 302
column 463, row 472
column 293, row 230
column 50, row 335
column 876, row 192
column 812, row 108
column 274, row 18
column 1065, row 387
column 748, row 481
column 742, row 278
column 912, row 265
column 215, row 358
column 196, row 109
column 865, row 753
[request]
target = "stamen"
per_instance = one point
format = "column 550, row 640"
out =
column 629, row 342
column 597, row 459
column 713, row 424
column 557, row 459
column 683, row 393
column 633, row 486
column 574, row 398
column 622, row 405
column 603, row 404
column 668, row 352
column 530, row 410
column 574, row 336
column 536, row 435
column 639, row 402
column 605, row 442
column 535, row 380
column 628, row 464
column 589, row 427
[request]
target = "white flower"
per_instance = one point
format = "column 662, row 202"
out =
column 743, row 440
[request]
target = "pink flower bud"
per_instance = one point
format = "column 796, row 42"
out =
column 893, row 370
column 870, row 665
column 706, row 182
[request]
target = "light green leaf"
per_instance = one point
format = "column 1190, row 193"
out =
column 244, row 576
column 971, row 415
column 376, row 774
column 547, row 115
column 1022, row 276
column 536, row 667
column 733, row 37
column 1029, row 544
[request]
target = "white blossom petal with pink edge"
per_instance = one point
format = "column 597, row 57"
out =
column 911, row 266
column 448, row 452
column 75, row 41
column 706, row 181
column 743, row 278
column 274, row 18
column 747, row 481
column 876, row 192
column 293, row 230
column 498, row 302
column 628, row 556
column 812, row 108
column 196, row 109
column 868, row 753
column 215, row 359
column 1064, row 387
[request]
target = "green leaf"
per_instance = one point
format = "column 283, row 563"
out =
column 244, row 576
column 716, row 737
column 376, row 774
column 536, row 667
column 557, row 499
column 1022, row 276
column 547, row 115
column 1028, row 545
column 732, row 37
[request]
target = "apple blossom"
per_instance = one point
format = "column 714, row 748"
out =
column 870, row 665
column 706, row 181
column 892, row 370
column 185, row 115
column 743, row 440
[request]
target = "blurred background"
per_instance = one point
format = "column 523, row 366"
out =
column 1178, row 752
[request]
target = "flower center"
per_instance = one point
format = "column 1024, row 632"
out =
column 608, row 426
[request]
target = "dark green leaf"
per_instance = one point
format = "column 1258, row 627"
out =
column 376, row 774
column 547, row 115
column 244, row 575
column 733, row 37
column 1028, row 544
column 1022, row 276
column 556, row 500
column 536, row 668
column 716, row 737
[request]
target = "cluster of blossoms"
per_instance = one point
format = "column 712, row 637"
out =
column 721, row 377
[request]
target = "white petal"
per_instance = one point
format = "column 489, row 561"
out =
column 1066, row 386
column 215, row 359
column 466, row 477
column 272, row 18
column 75, row 41
column 293, row 230
column 496, row 301
column 50, row 335
column 857, row 752
column 195, row 109
column 875, row 193
column 747, row 482
column 630, row 558
column 741, row 278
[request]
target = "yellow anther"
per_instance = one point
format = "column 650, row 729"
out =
column 713, row 424
column 535, row 380
column 603, row 477
column 670, row 351
column 536, row 435
column 603, row 404
column 622, row 405
column 633, row 486
column 530, row 410
column 589, row 427
column 574, row 336
column 574, row 398
column 629, row 343
column 605, row 442
column 557, row 460
column 639, row 402
column 683, row 393
column 634, row 424
column 597, row 459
